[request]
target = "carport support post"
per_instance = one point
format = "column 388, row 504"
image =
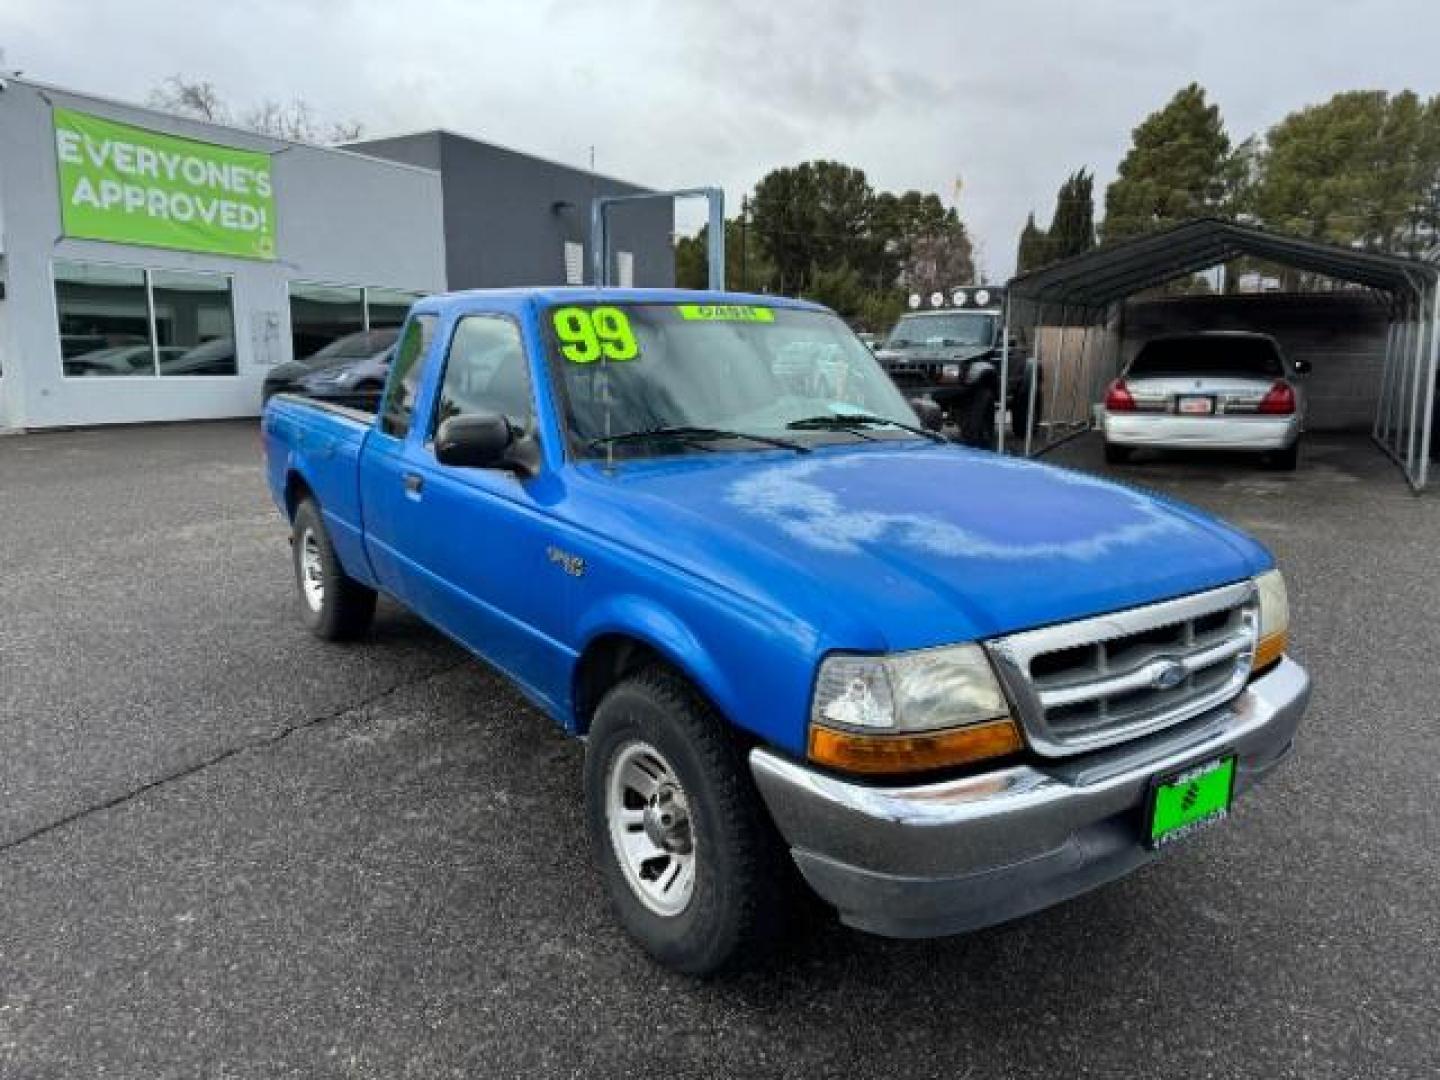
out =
column 1420, row 322
column 1402, row 370
column 1427, row 413
column 1082, row 376
column 1382, row 409
column 1004, row 380
column 1030, row 410
column 1061, row 367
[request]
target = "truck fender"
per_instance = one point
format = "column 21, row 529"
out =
column 299, row 482
column 660, row 629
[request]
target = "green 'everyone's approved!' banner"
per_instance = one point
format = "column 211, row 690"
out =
column 132, row 186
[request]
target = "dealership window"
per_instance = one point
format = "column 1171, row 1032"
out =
column 194, row 323
column 126, row 321
column 322, row 315
column 104, row 319
column 386, row 308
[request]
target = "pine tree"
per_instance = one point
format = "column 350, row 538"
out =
column 1034, row 247
column 1072, row 228
column 1175, row 169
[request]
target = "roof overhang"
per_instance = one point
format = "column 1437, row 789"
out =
column 1115, row 271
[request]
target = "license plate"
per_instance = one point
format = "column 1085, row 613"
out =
column 1195, row 406
column 1184, row 804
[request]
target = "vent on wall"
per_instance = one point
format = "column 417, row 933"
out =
column 625, row 269
column 574, row 263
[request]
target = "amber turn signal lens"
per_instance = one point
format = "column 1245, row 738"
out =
column 873, row 754
column 1270, row 649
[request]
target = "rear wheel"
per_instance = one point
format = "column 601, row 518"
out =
column 334, row 605
column 693, row 866
column 1116, row 455
column 1285, row 460
column 977, row 417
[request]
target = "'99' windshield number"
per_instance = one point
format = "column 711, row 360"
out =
column 590, row 334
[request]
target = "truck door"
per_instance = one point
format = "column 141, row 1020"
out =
column 384, row 490
column 474, row 540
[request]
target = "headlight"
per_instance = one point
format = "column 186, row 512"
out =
column 909, row 712
column 1274, row 618
column 950, row 373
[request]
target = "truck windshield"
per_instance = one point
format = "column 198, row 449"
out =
column 951, row 328
column 729, row 372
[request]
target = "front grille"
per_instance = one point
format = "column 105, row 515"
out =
column 1083, row 685
column 904, row 375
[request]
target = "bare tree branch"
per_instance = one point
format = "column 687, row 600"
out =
column 295, row 121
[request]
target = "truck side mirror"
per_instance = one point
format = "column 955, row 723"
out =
column 932, row 417
column 475, row 441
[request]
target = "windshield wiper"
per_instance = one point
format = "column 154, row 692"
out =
column 853, row 421
column 697, row 435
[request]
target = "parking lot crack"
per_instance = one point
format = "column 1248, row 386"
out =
column 249, row 746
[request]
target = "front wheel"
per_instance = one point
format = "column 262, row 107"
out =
column 977, row 418
column 693, row 866
column 334, row 605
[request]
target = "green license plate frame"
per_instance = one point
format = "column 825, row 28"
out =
column 1182, row 803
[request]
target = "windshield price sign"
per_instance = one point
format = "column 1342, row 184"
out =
column 590, row 334
column 725, row 313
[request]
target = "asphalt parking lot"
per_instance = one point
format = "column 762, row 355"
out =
column 228, row 850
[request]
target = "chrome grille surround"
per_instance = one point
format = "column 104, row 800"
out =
column 1083, row 685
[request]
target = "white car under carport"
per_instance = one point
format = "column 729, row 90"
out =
column 1219, row 390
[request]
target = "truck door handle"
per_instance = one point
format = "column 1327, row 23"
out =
column 414, row 483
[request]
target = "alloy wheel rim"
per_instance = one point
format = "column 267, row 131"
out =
column 651, row 831
column 312, row 571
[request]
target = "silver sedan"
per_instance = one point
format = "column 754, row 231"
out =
column 1219, row 390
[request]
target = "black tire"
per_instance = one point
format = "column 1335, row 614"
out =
column 976, row 417
column 1116, row 455
column 344, row 608
column 1285, row 460
column 737, row 904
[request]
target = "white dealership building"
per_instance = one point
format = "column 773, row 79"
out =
column 154, row 267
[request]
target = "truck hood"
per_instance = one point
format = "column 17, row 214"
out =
column 908, row 545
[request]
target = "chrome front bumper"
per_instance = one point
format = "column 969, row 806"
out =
column 962, row 854
column 1207, row 432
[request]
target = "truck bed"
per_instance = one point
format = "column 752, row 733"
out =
column 321, row 441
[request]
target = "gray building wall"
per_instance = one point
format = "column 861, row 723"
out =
column 341, row 218
column 1341, row 334
column 508, row 214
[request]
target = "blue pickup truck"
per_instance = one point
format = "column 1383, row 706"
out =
column 797, row 628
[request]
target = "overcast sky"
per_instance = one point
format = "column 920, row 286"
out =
column 1008, row 95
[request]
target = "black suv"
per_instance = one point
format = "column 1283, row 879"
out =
column 951, row 354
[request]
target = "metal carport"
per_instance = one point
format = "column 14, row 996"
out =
column 1081, row 292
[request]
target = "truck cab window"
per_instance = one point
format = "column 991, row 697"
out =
column 485, row 372
column 405, row 375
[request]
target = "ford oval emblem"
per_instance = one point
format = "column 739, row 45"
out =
column 1168, row 675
